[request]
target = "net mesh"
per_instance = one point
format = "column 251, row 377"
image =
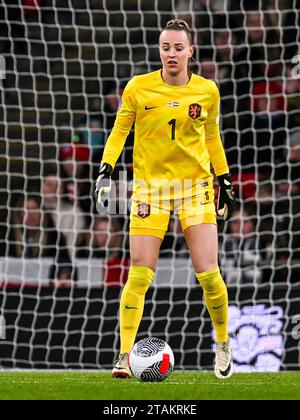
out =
column 63, row 67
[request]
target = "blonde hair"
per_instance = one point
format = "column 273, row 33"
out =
column 179, row 25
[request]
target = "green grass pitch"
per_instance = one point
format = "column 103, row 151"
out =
column 70, row 385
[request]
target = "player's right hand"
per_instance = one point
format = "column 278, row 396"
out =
column 103, row 186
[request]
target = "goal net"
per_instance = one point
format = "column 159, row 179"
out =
column 63, row 67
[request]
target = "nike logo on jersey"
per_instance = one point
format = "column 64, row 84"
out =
column 130, row 307
column 150, row 107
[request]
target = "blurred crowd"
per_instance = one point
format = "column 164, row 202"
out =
column 250, row 50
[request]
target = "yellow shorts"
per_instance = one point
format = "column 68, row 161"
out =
column 146, row 219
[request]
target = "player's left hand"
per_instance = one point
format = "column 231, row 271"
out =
column 226, row 199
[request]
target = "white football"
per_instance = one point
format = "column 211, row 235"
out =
column 151, row 360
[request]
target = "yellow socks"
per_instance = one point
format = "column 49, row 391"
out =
column 132, row 304
column 216, row 300
column 133, row 299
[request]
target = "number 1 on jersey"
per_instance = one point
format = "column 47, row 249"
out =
column 173, row 124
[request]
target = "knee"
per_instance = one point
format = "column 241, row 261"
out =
column 205, row 266
column 205, row 263
column 143, row 261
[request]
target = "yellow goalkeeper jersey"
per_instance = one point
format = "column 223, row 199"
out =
column 176, row 134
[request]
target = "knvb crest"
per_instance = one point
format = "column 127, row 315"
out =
column 143, row 210
column 194, row 111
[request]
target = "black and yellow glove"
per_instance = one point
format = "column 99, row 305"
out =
column 103, row 186
column 226, row 199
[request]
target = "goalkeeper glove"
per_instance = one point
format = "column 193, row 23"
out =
column 226, row 199
column 103, row 185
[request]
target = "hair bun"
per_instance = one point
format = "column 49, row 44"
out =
column 177, row 24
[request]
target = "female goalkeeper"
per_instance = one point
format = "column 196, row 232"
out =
column 177, row 138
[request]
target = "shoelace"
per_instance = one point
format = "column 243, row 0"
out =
column 223, row 353
column 121, row 358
